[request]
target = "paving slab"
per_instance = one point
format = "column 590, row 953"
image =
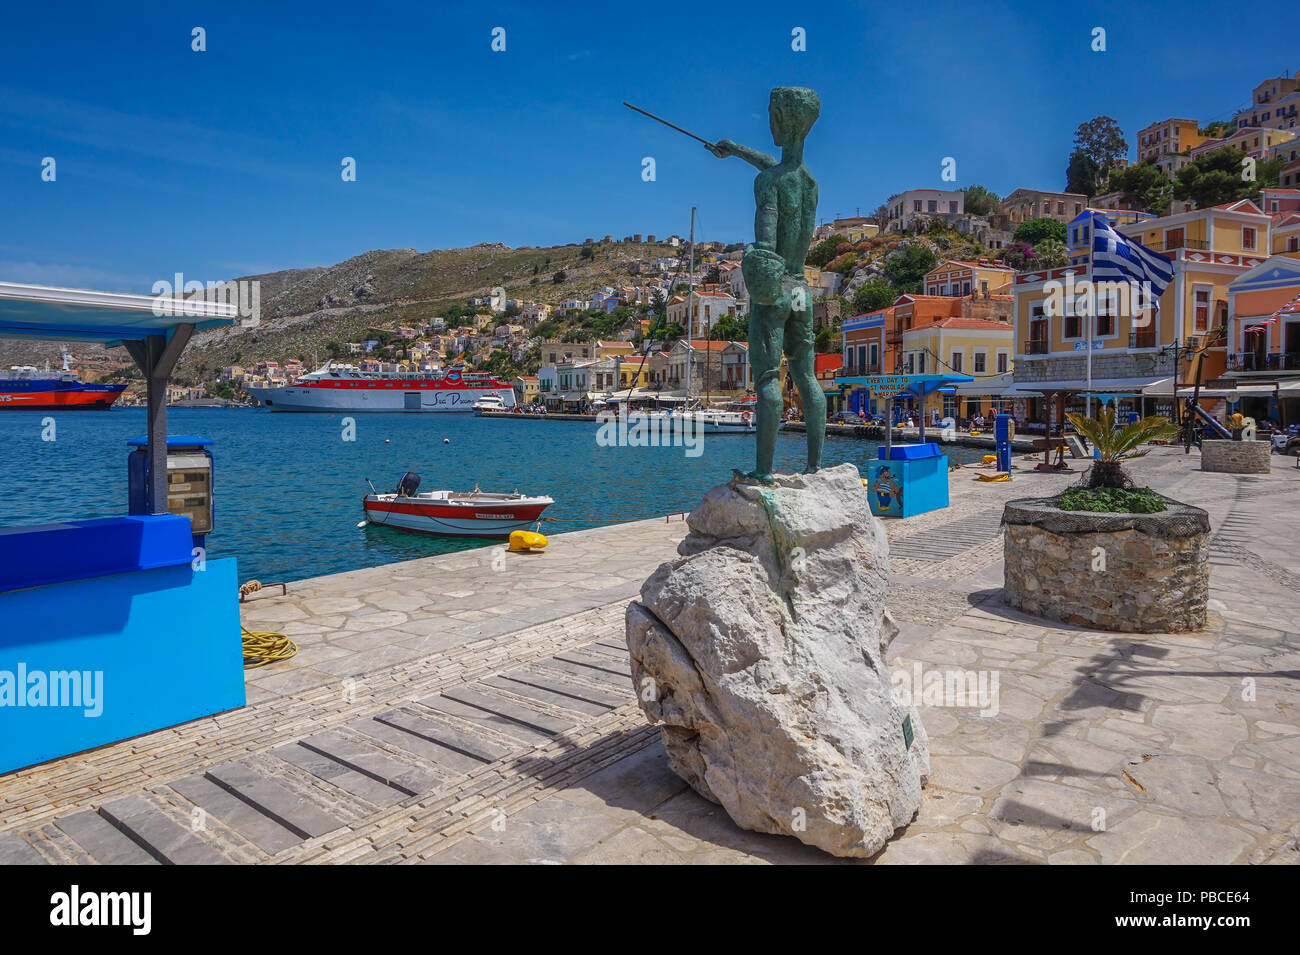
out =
column 373, row 762
column 105, row 843
column 258, row 828
column 484, row 698
column 338, row 774
column 523, row 734
column 289, row 809
column 160, row 835
column 473, row 749
column 14, row 850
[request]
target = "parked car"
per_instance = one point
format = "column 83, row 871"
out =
column 845, row 417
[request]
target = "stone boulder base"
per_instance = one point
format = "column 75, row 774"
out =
column 762, row 651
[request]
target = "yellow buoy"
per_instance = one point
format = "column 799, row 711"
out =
column 527, row 540
column 990, row 458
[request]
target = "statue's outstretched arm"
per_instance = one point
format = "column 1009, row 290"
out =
column 725, row 147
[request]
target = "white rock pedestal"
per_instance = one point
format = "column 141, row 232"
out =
column 762, row 651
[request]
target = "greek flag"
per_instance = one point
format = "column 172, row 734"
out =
column 1117, row 258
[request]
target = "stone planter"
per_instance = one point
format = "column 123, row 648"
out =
column 1235, row 457
column 1133, row 573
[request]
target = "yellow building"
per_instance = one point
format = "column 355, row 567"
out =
column 1131, row 346
column 1209, row 248
column 1253, row 141
column 527, row 389
column 956, row 278
column 633, row 373
column 1286, row 235
column 855, row 228
column 606, row 349
column 980, row 347
column 1168, row 137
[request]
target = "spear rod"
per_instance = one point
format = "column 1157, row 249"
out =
column 660, row 119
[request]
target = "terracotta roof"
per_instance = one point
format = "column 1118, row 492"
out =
column 960, row 322
column 827, row 362
column 700, row 344
column 1232, row 207
column 972, row 265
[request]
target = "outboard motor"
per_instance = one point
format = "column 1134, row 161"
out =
column 408, row 485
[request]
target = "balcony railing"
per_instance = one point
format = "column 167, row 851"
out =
column 1199, row 245
column 1251, row 361
column 1146, row 338
column 1035, row 346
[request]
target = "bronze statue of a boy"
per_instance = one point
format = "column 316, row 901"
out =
column 780, row 315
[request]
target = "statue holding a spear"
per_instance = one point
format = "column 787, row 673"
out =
column 780, row 315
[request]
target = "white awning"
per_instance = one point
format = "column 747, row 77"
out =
column 991, row 385
column 1084, row 386
column 1231, row 394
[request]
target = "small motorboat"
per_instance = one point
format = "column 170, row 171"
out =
column 489, row 402
column 453, row 513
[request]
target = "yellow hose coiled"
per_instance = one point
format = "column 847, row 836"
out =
column 263, row 646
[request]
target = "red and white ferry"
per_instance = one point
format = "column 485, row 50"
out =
column 346, row 388
column 27, row 389
column 453, row 513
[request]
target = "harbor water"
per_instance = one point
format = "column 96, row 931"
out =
column 288, row 487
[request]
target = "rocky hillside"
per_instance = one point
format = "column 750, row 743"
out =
column 303, row 309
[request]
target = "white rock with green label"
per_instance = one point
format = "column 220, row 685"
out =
column 761, row 650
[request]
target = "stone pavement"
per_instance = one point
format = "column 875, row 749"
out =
column 450, row 710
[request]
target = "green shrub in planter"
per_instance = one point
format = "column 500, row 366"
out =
column 1117, row 500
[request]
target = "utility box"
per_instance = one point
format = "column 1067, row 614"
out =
column 189, row 481
column 912, row 480
column 1004, row 429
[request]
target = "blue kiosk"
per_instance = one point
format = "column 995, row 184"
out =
column 906, row 479
column 118, row 626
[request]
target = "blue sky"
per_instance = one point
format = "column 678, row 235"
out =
column 227, row 162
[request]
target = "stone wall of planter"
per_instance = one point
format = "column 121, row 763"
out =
column 1235, row 457
column 1133, row 573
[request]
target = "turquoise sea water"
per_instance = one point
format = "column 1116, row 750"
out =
column 288, row 488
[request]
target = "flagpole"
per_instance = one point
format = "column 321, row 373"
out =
column 1092, row 307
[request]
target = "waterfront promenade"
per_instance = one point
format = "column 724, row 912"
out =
column 476, row 707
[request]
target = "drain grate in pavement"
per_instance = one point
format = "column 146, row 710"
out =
column 949, row 540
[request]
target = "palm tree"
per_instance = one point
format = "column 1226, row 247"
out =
column 1115, row 445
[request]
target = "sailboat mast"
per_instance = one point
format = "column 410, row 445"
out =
column 690, row 312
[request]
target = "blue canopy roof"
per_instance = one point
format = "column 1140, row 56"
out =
column 110, row 318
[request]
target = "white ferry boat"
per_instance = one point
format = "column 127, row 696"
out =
column 345, row 388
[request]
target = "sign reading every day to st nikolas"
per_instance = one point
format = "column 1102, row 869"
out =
column 887, row 386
